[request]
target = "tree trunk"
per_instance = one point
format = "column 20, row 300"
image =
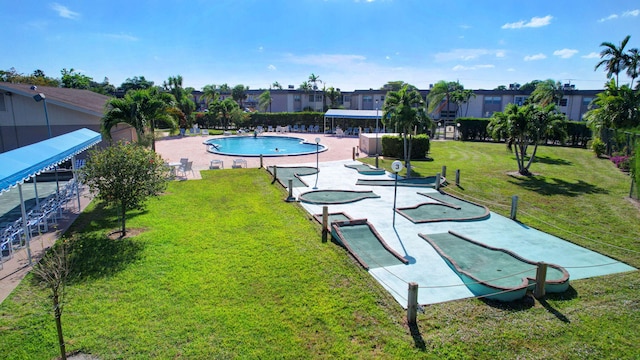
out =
column 123, row 213
column 58, row 316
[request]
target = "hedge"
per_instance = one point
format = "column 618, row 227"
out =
column 393, row 147
column 475, row 129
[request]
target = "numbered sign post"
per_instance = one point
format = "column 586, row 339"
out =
column 396, row 166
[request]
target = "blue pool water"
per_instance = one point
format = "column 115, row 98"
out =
column 262, row 145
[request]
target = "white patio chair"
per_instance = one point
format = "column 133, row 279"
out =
column 239, row 163
column 216, row 164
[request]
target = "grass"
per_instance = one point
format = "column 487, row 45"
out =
column 225, row 269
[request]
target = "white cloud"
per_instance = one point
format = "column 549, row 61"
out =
column 627, row 13
column 539, row 56
column 610, row 17
column 260, row 48
column 565, row 53
column 466, row 54
column 121, row 37
column 328, row 60
column 474, row 67
column 511, row 69
column 533, row 23
column 64, row 11
column 271, row 67
column 591, row 55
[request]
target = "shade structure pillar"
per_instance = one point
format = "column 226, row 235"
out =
column 74, row 168
column 25, row 227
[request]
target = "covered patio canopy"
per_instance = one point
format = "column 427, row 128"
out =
column 20, row 165
column 351, row 114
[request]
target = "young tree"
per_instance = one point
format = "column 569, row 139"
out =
column 405, row 109
column 276, row 85
column 52, row 272
column 125, row 176
column 239, row 94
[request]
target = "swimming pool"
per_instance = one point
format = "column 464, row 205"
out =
column 262, row 145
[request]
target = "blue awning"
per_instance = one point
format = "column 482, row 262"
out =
column 353, row 114
column 19, row 165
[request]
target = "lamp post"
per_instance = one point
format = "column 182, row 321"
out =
column 377, row 108
column 458, row 131
column 438, row 130
column 40, row 97
column 315, row 187
column 396, row 166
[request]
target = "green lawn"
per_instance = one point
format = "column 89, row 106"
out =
column 224, row 268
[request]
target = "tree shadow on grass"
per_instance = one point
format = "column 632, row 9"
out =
column 528, row 302
column 100, row 217
column 94, row 255
column 551, row 161
column 555, row 186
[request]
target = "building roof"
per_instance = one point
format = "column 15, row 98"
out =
column 80, row 100
column 23, row 163
column 353, row 114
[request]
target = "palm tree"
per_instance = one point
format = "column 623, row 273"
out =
column 276, row 85
column 140, row 109
column 223, row 110
column 334, row 96
column 462, row 96
column 264, row 100
column 613, row 58
column 547, row 92
column 315, row 79
column 524, row 125
column 633, row 65
column 441, row 90
column 405, row 109
column 210, row 93
column 614, row 108
column 239, row 94
column 183, row 98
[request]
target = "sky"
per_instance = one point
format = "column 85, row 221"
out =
column 348, row 44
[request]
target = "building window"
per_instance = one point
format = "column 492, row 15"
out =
column 519, row 100
column 586, row 101
column 311, row 98
column 492, row 100
column 296, row 97
column 563, row 102
column 3, row 107
column 346, row 98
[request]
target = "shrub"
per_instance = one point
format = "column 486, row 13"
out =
column 393, row 147
column 598, row 147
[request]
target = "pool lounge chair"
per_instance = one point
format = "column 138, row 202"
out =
column 239, row 163
column 216, row 164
